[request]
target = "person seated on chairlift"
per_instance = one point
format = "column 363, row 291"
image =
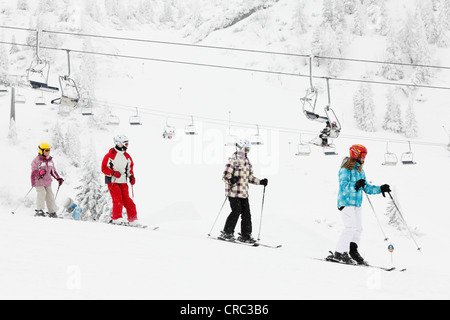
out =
column 330, row 131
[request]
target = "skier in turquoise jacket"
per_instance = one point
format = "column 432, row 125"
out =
column 352, row 185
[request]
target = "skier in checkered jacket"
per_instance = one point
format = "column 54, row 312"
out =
column 237, row 175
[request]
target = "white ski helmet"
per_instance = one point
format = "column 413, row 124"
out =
column 121, row 142
column 243, row 145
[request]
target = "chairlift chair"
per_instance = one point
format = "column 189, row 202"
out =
column 256, row 138
column 64, row 110
column 330, row 150
column 303, row 149
column 38, row 71
column 390, row 159
column 86, row 111
column 408, row 157
column 136, row 119
column 20, row 98
column 3, row 90
column 70, row 95
column 113, row 120
column 39, row 101
column 190, row 129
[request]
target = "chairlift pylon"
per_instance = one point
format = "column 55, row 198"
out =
column 135, row 119
column 38, row 71
column 390, row 158
column 408, row 157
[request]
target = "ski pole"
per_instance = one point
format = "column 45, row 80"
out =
column 13, row 212
column 262, row 208
column 376, row 217
column 209, row 234
column 57, row 190
column 404, row 221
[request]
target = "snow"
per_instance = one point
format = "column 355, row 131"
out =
column 179, row 187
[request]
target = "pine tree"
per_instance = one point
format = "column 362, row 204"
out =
column 442, row 39
column 429, row 21
column 317, row 43
column 327, row 13
column 394, row 218
column 393, row 118
column 363, row 108
column 72, row 145
column 14, row 47
column 57, row 138
column 90, row 189
column 300, row 20
column 393, row 55
column 22, row 5
column 360, row 19
column 411, row 127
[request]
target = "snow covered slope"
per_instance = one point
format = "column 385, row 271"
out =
column 179, row 189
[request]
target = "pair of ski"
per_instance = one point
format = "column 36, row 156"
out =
column 363, row 265
column 249, row 244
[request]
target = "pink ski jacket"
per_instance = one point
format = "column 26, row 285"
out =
column 39, row 163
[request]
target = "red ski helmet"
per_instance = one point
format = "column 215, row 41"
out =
column 358, row 150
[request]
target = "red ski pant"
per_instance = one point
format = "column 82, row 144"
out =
column 121, row 198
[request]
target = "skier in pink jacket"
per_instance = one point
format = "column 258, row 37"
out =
column 42, row 171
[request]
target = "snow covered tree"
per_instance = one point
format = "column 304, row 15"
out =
column 331, row 47
column 394, row 218
column 14, row 47
column 90, row 188
column 442, row 39
column 360, row 19
column 429, row 21
column 392, row 118
column 72, row 147
column 364, row 107
column 317, row 43
column 350, row 6
column 327, row 13
column 411, row 126
column 300, row 20
column 4, row 62
column 57, row 138
column 393, row 55
column 22, row 5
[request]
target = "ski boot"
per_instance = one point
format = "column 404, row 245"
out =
column 247, row 238
column 39, row 213
column 354, row 254
column 226, row 236
column 52, row 215
column 340, row 257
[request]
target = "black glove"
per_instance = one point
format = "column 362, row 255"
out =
column 360, row 184
column 233, row 180
column 263, row 182
column 385, row 188
column 60, row 181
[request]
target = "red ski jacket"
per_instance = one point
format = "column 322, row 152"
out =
column 117, row 161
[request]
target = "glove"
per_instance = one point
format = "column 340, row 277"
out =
column 116, row 174
column 385, row 188
column 263, row 182
column 60, row 181
column 132, row 180
column 233, row 180
column 360, row 184
column 42, row 172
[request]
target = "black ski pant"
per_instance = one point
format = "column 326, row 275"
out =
column 239, row 207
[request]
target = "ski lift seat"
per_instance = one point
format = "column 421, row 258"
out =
column 135, row 120
column 169, row 132
column 407, row 158
column 39, row 101
column 43, row 86
column 303, row 150
column 113, row 120
column 329, row 150
column 390, row 159
column 314, row 116
column 190, row 130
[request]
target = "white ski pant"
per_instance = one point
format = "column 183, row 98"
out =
column 351, row 217
column 44, row 195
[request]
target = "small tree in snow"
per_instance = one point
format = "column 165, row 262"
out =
column 90, row 189
column 411, row 126
column 392, row 118
column 394, row 54
column 363, row 108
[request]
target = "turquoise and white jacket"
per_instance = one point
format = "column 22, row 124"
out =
column 348, row 196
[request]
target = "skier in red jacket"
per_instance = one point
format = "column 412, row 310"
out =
column 117, row 166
